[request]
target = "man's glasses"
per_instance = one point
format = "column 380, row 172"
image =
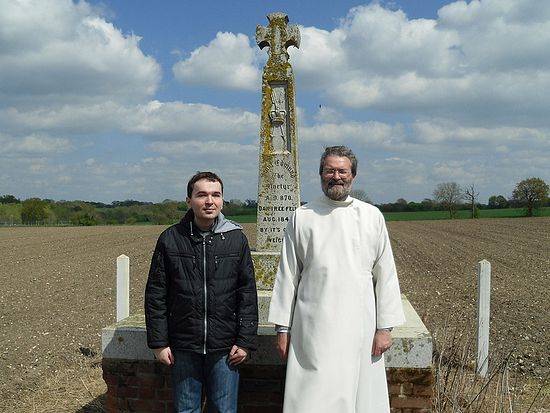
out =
column 344, row 173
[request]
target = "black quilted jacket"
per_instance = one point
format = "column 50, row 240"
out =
column 201, row 291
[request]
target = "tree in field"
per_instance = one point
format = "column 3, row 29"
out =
column 531, row 192
column 448, row 195
column 360, row 194
column 470, row 195
column 9, row 199
column 427, row 204
column 497, row 202
column 251, row 203
column 33, row 211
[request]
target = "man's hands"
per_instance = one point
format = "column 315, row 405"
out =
column 164, row 355
column 237, row 355
column 283, row 341
column 382, row 341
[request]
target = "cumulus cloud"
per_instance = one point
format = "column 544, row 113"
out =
column 154, row 120
column 479, row 62
column 433, row 132
column 320, row 61
column 228, row 61
column 65, row 51
column 34, row 144
column 184, row 121
column 459, row 97
column 365, row 133
column 215, row 149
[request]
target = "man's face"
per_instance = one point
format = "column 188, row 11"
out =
column 336, row 177
column 206, row 202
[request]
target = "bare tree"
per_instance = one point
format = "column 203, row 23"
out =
column 471, row 196
column 448, row 195
column 361, row 195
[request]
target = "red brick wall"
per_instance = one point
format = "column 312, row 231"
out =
column 144, row 387
column 137, row 386
column 411, row 390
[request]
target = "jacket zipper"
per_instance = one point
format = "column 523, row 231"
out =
column 205, row 294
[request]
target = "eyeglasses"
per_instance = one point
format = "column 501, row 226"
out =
column 344, row 173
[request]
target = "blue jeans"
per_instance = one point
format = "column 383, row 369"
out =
column 191, row 372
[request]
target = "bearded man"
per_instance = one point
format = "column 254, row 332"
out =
column 336, row 298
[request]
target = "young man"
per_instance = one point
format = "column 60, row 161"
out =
column 201, row 306
column 336, row 298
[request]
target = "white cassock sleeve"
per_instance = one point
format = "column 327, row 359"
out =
column 389, row 310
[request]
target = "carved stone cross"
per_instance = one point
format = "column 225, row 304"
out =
column 278, row 181
column 278, row 35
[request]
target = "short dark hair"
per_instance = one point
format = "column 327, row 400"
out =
column 342, row 151
column 209, row 176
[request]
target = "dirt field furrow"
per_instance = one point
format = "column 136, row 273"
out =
column 58, row 289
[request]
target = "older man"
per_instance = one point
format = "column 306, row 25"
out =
column 336, row 298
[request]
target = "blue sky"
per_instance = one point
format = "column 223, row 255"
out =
column 114, row 100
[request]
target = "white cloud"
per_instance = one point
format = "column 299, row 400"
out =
column 461, row 97
column 366, row 133
column 217, row 150
column 184, row 121
column 328, row 115
column 481, row 62
column 154, row 120
column 228, row 61
column 320, row 61
column 33, row 144
column 387, row 43
column 58, row 50
column 434, row 131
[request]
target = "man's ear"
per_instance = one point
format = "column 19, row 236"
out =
column 187, row 200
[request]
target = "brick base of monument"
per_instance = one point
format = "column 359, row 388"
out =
column 141, row 386
column 137, row 386
column 411, row 390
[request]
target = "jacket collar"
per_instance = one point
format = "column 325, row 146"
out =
column 221, row 224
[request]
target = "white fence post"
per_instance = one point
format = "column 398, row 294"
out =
column 483, row 313
column 122, row 287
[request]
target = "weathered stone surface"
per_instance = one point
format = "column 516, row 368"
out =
column 412, row 348
column 278, row 182
column 126, row 340
column 265, row 265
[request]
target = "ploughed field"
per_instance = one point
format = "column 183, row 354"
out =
column 57, row 292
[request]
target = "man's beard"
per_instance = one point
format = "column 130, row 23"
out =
column 337, row 190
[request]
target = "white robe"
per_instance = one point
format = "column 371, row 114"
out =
column 336, row 283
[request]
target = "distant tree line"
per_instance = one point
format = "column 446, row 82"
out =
column 36, row 211
column 530, row 194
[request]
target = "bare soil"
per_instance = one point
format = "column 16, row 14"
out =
column 57, row 292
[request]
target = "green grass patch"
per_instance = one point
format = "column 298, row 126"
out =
column 422, row 215
column 464, row 214
column 514, row 213
column 243, row 219
column 432, row 215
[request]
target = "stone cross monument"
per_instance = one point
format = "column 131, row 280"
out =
column 278, row 183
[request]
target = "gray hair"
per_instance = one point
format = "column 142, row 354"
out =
column 342, row 151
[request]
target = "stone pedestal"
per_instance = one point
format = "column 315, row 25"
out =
column 138, row 383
